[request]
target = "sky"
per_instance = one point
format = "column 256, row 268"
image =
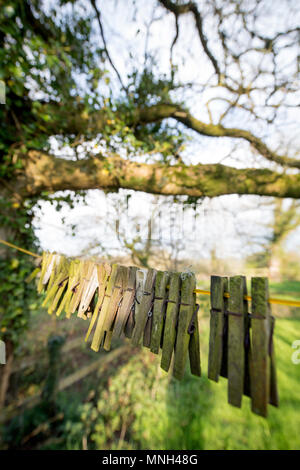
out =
column 232, row 226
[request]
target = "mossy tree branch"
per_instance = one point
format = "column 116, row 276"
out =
column 45, row 172
column 158, row 112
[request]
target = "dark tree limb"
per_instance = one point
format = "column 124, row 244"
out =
column 98, row 15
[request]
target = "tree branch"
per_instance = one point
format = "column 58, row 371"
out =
column 43, row 172
column 160, row 111
column 79, row 123
column 191, row 7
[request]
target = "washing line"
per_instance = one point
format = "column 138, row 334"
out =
column 290, row 303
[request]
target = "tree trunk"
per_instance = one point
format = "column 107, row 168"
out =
column 274, row 265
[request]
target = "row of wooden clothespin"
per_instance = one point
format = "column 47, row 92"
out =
column 158, row 310
column 241, row 346
column 154, row 308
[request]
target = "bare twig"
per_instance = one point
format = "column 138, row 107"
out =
column 98, row 15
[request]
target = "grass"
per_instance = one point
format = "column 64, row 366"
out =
column 286, row 287
column 283, row 288
column 194, row 413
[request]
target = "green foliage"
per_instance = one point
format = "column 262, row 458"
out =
column 41, row 56
column 146, row 89
column 159, row 138
column 81, row 425
column 18, row 298
column 21, row 426
column 53, row 69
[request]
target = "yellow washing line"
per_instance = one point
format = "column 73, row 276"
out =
column 291, row 303
column 18, row 248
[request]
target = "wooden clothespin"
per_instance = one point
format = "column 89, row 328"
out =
column 99, row 332
column 228, row 331
column 263, row 370
column 144, row 308
column 134, row 313
column 126, row 305
column 57, row 281
column 194, row 343
column 89, row 288
column 115, row 302
column 48, row 260
column 159, row 310
column 236, row 340
column 77, row 289
column 52, row 271
column 73, row 286
column 274, row 396
column 169, row 334
column 73, row 277
column 184, row 319
column 247, row 340
column 61, row 281
column 103, row 273
column 217, row 346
